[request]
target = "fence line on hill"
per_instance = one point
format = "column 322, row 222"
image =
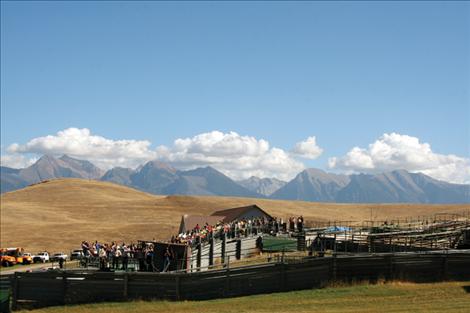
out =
column 74, row 287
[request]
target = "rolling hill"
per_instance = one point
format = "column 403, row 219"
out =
column 59, row 214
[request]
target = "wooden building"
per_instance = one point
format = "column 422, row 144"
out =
column 244, row 212
column 189, row 222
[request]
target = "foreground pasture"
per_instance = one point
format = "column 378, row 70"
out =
column 389, row 297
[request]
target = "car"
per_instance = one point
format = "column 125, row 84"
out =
column 57, row 256
column 41, row 257
column 76, row 255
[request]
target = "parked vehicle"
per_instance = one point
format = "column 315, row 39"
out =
column 57, row 256
column 5, row 259
column 18, row 254
column 41, row 257
column 27, row 258
column 76, row 255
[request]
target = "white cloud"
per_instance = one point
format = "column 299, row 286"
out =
column 235, row 155
column 15, row 160
column 80, row 143
column 308, row 148
column 395, row 151
column 240, row 156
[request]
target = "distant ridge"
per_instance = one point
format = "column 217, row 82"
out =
column 263, row 186
column 311, row 184
column 48, row 167
column 160, row 178
column 208, row 181
column 402, row 186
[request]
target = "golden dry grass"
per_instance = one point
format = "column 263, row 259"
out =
column 390, row 297
column 59, row 214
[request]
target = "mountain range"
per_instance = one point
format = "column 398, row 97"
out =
column 155, row 177
column 47, row 167
column 263, row 186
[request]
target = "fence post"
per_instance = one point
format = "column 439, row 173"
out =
column 211, row 251
column 238, row 250
column 390, row 267
column 126, row 283
column 177, row 281
column 282, row 276
column 444, row 266
column 334, row 268
column 199, row 254
column 334, row 244
column 227, row 278
column 64, row 287
column 222, row 249
column 15, row 292
column 301, row 242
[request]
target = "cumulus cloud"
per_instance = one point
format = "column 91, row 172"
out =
column 15, row 160
column 240, row 156
column 81, row 144
column 235, row 155
column 308, row 148
column 395, row 151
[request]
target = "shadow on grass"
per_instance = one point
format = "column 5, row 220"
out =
column 466, row 288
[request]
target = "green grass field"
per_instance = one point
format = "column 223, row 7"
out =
column 7, row 268
column 390, row 297
column 279, row 244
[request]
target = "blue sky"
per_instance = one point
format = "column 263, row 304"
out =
column 344, row 72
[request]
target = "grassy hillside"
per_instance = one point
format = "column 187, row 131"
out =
column 59, row 214
column 394, row 297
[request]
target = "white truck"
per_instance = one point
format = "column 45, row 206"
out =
column 41, row 257
column 57, row 256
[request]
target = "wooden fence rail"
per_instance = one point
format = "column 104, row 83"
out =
column 73, row 287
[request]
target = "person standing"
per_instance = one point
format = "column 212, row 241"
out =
column 102, row 256
column 167, row 259
column 125, row 257
column 117, row 256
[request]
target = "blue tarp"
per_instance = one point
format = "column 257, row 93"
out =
column 333, row 229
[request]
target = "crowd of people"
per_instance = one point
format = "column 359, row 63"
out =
column 239, row 228
column 234, row 229
column 117, row 256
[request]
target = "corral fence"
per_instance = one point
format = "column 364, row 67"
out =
column 5, row 291
column 288, row 273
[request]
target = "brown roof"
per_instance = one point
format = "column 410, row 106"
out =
column 232, row 214
column 188, row 222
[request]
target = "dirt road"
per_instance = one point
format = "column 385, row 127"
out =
column 35, row 267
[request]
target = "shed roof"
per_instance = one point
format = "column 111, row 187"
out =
column 232, row 214
column 189, row 222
